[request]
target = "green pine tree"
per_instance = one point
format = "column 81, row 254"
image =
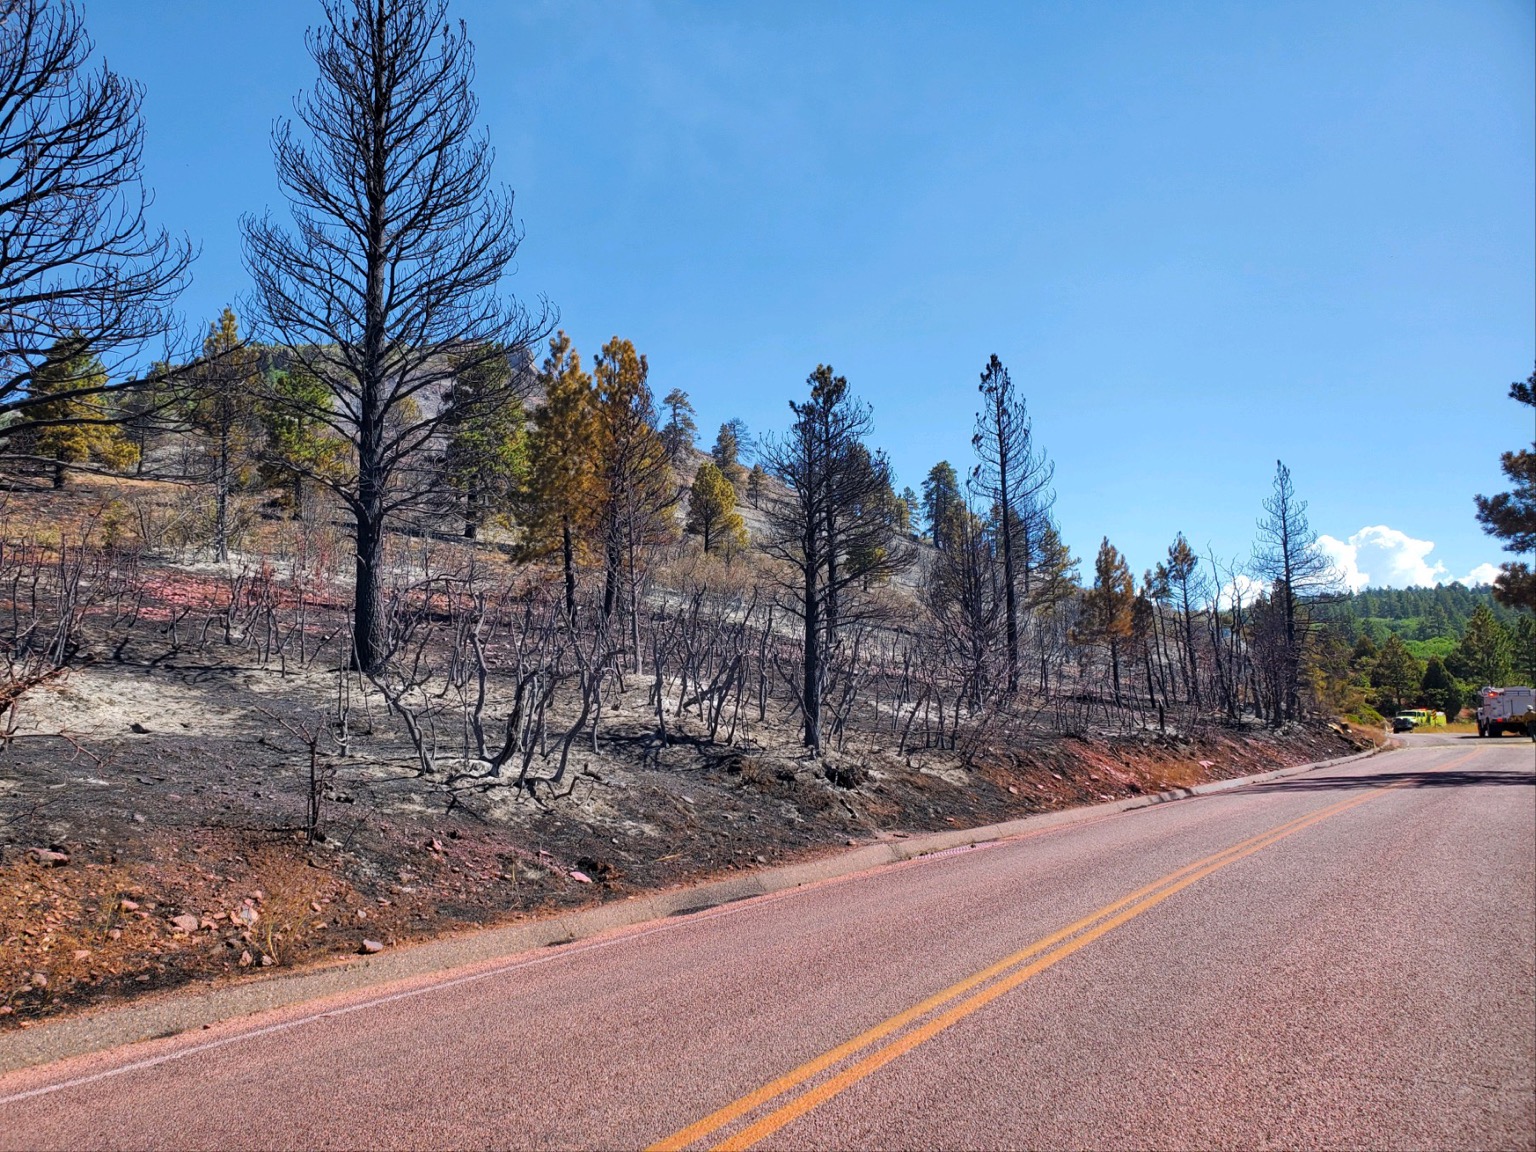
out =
column 1484, row 654
column 712, row 514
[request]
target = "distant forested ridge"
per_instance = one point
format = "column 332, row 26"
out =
column 1431, row 647
column 1420, row 615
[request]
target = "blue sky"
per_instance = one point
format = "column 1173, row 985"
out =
column 1201, row 236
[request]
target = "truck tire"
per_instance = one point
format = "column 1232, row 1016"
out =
column 1482, row 729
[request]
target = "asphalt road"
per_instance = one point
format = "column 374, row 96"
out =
column 1339, row 959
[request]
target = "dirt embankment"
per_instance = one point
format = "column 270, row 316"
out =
column 152, row 825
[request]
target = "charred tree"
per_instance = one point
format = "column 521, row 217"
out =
column 833, row 525
column 1016, row 477
column 390, row 283
column 79, row 264
column 1286, row 555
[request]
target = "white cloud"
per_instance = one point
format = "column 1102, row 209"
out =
column 1383, row 557
column 1249, row 587
column 1482, row 574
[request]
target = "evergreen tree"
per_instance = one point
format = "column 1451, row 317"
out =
column 299, row 446
column 1180, row 574
column 1441, row 690
column 726, row 452
column 1397, row 671
column 755, row 480
column 943, row 506
column 559, row 503
column 224, row 406
column 906, row 506
column 1363, row 658
column 486, row 455
column 635, row 487
column 1511, row 516
column 1483, row 656
column 712, row 514
column 1524, row 646
column 1108, row 608
column 69, row 421
column 148, row 407
column 1055, row 578
column 680, row 431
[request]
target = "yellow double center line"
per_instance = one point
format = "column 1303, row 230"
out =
column 975, row 992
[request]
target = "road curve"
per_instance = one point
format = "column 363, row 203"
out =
column 1339, row 959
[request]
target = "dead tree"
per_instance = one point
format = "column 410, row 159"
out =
column 961, row 593
column 833, row 525
column 78, row 260
column 1015, row 476
column 1286, row 555
column 390, row 283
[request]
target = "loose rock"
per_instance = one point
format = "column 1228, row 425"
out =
column 371, row 946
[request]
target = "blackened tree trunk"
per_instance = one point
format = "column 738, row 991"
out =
column 77, row 258
column 1300, row 577
column 568, row 563
column 835, row 526
column 1015, row 476
column 221, row 499
column 390, row 287
column 811, row 655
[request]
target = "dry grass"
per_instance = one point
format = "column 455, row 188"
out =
column 60, row 928
column 290, row 907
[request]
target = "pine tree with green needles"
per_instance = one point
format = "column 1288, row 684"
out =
column 74, row 426
column 1484, row 654
column 943, row 506
column 1441, row 690
column 1397, row 671
column 712, row 514
column 680, row 431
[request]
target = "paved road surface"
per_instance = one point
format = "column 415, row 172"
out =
column 1340, row 959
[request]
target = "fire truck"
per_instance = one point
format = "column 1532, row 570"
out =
column 1501, row 710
